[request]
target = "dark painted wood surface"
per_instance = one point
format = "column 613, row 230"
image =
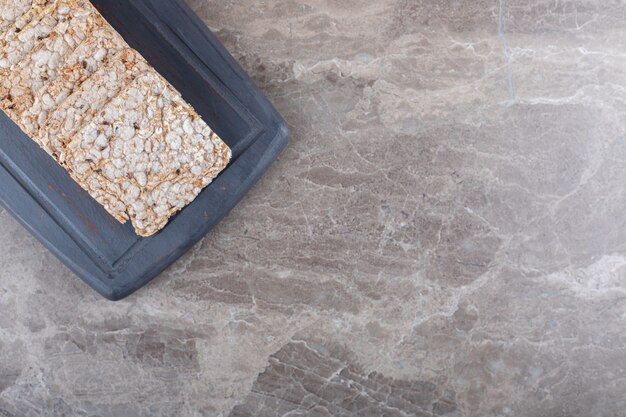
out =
column 107, row 255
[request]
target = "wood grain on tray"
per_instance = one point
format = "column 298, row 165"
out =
column 120, row 129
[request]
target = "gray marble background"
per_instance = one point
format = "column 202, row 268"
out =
column 444, row 236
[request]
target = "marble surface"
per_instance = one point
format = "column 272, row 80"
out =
column 444, row 236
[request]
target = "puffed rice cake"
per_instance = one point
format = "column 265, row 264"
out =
column 70, row 81
column 19, row 12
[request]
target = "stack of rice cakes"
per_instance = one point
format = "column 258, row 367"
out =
column 71, row 83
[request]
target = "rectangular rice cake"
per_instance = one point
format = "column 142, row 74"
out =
column 149, row 149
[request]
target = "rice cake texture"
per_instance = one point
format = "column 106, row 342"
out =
column 22, row 62
column 18, row 13
column 36, row 71
column 87, row 100
column 11, row 10
column 93, row 103
column 65, row 71
column 23, row 35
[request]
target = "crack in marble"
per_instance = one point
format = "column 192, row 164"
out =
column 507, row 53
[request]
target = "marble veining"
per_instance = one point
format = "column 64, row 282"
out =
column 444, row 236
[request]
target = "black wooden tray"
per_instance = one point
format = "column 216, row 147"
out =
column 107, row 255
